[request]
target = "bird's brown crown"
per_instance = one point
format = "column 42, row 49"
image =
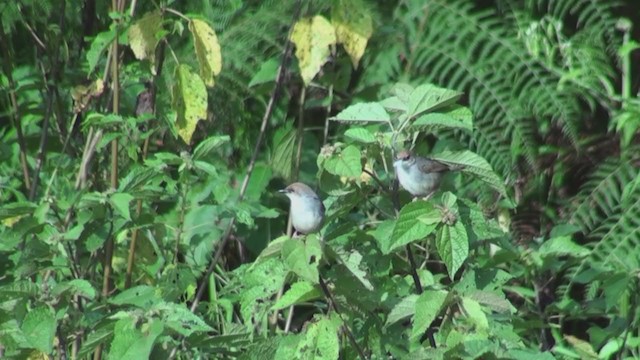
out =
column 403, row 155
column 298, row 188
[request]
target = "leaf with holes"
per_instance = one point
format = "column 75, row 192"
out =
column 189, row 100
column 354, row 27
column 303, row 256
column 313, row 37
column 345, row 163
column 207, row 50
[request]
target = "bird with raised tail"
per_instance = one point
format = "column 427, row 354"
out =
column 307, row 210
column 419, row 176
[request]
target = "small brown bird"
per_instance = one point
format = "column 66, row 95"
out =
column 419, row 176
column 307, row 210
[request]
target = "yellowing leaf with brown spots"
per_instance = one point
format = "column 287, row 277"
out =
column 207, row 50
column 189, row 100
column 354, row 27
column 142, row 36
column 312, row 37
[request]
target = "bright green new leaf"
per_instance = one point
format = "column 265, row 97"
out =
column 132, row 343
column 98, row 45
column 562, row 245
column 39, row 328
column 458, row 118
column 313, row 38
column 365, row 112
column 299, row 292
column 354, row 27
column 428, row 306
column 142, row 36
column 407, row 228
column 303, row 256
column 429, row 97
column 267, row 73
column 475, row 165
column 189, row 100
column 452, row 243
column 345, row 163
column 284, row 141
column 207, row 50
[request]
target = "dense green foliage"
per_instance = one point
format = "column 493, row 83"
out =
column 142, row 144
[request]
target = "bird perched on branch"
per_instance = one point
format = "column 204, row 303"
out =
column 418, row 175
column 307, row 210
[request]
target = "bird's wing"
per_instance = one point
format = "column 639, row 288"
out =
column 431, row 166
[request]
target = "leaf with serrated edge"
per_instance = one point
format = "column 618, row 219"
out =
column 299, row 292
column 207, row 50
column 428, row 306
column 365, row 112
column 303, row 257
column 429, row 97
column 402, row 310
column 360, row 134
column 407, row 229
column 453, row 246
column 473, row 164
column 346, row 163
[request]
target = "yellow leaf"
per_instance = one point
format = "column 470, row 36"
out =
column 354, row 27
column 189, row 100
column 207, row 50
column 312, row 37
column 142, row 36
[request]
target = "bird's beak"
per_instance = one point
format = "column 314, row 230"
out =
column 283, row 191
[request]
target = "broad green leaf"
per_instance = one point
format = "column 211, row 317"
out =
column 394, row 103
column 178, row 318
column 207, row 50
column 352, row 263
column 100, row 335
column 354, row 27
column 143, row 36
column 98, row 45
column 16, row 209
column 142, row 296
column 494, row 301
column 428, row 306
column 365, row 112
column 299, row 292
column 321, row 341
column 76, row 287
column 287, row 347
column 39, row 328
column 360, row 134
column 303, row 257
column 475, row 314
column 583, row 348
column 132, row 343
column 313, row 38
column 345, row 163
column 120, row 203
column 407, row 229
column 562, row 245
column 208, row 145
column 453, row 246
column 189, row 100
column 267, row 73
column 258, row 182
column 429, row 97
column 475, row 165
column 459, row 118
column 284, row 141
column 402, row 310
column 273, row 249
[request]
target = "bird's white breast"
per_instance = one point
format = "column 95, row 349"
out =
column 306, row 214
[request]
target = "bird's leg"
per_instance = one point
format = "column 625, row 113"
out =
column 429, row 195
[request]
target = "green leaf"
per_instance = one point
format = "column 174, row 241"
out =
column 178, row 318
column 208, row 145
column 453, row 246
column 321, row 341
column 360, row 134
column 429, row 97
column 407, row 229
column 284, row 141
column 79, row 287
column 354, row 26
column 475, row 314
column 459, row 118
column 189, row 100
column 346, row 163
column 299, row 292
column 428, row 306
column 583, row 348
column 303, row 257
column 475, row 165
column 132, row 343
column 365, row 112
column 142, row 36
column 258, row 182
column 207, row 50
column 402, row 310
column 16, row 209
column 120, row 203
column 267, row 73
column 143, row 296
column 313, row 37
column 39, row 328
column 562, row 245
column 98, row 45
